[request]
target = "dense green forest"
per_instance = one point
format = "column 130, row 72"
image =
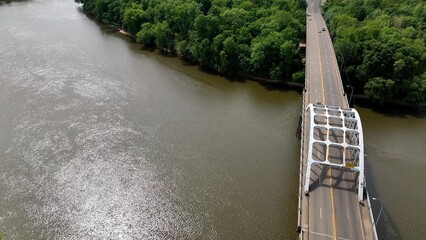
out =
column 244, row 37
column 380, row 45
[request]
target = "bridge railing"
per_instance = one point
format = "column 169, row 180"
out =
column 302, row 144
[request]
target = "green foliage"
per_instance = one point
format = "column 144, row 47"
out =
column 230, row 36
column 146, row 35
column 416, row 89
column 379, row 90
column 383, row 42
column 134, row 16
column 299, row 77
column 273, row 52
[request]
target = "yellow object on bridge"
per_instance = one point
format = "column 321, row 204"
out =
column 349, row 165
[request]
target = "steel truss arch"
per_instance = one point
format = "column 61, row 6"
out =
column 340, row 129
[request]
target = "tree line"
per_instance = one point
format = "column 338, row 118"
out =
column 380, row 45
column 243, row 37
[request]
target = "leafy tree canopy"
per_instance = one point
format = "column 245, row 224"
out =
column 256, row 37
column 381, row 44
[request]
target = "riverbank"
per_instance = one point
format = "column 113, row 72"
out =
column 125, row 33
column 364, row 101
column 289, row 84
column 359, row 98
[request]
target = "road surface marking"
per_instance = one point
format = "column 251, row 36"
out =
column 322, row 77
column 320, row 213
column 347, row 213
column 335, row 70
column 331, row 173
column 324, row 235
column 332, row 205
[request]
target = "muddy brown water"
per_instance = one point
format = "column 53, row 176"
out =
column 101, row 140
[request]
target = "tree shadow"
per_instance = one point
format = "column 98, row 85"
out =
column 396, row 110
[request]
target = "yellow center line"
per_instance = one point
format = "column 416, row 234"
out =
column 335, row 234
column 322, row 77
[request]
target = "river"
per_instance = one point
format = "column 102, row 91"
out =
column 102, row 140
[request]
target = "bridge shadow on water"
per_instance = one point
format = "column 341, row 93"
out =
column 386, row 226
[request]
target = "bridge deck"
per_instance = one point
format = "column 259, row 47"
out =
column 331, row 210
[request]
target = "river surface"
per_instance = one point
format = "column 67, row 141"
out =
column 101, row 140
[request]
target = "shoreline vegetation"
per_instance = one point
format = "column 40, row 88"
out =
column 259, row 40
column 292, row 85
column 299, row 86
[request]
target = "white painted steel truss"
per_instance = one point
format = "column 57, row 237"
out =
column 335, row 139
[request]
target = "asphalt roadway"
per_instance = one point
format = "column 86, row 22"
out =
column 334, row 210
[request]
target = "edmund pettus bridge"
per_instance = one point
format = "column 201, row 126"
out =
column 333, row 201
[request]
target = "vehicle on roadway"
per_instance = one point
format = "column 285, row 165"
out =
column 323, row 29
